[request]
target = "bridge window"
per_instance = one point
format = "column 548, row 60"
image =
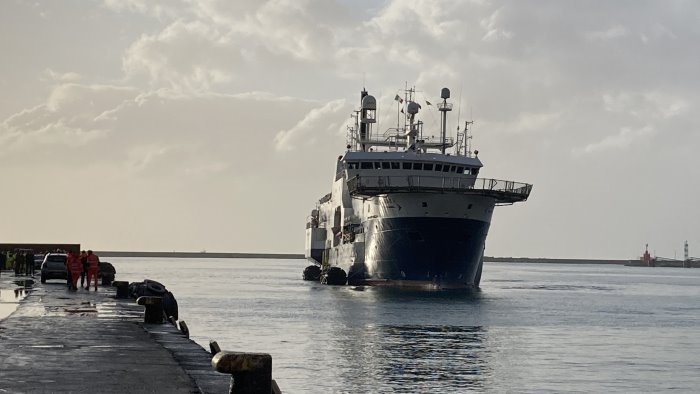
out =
column 386, row 165
column 428, row 166
column 366, row 165
column 438, row 167
column 453, row 169
column 353, row 165
column 417, row 166
column 445, row 168
column 460, row 170
column 406, row 166
column 395, row 165
column 377, row 165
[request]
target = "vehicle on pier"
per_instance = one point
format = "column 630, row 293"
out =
column 402, row 211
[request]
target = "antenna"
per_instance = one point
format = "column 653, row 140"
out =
column 459, row 110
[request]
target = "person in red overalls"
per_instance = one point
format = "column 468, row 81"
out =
column 74, row 268
column 93, row 267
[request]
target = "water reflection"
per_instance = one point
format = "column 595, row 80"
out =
column 26, row 284
column 377, row 352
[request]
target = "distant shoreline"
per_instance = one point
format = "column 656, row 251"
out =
column 201, row 255
column 225, row 255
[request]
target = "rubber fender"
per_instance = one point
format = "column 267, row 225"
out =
column 170, row 305
column 312, row 272
column 336, row 276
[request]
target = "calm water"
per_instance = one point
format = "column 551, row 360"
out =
column 532, row 328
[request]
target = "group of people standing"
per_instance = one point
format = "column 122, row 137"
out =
column 85, row 264
column 21, row 261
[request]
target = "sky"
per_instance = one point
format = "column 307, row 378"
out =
column 187, row 125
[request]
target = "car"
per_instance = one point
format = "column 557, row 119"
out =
column 38, row 260
column 54, row 267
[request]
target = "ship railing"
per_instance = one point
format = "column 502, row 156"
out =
column 505, row 192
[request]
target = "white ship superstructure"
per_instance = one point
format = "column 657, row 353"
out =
column 402, row 210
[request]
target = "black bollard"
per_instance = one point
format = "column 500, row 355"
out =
column 251, row 373
column 214, row 347
column 122, row 288
column 154, row 309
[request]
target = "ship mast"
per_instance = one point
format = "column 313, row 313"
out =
column 444, row 107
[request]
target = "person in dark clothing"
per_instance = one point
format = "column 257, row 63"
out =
column 18, row 262
column 29, row 262
column 3, row 260
column 84, row 264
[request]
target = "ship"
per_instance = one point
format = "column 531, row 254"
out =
column 406, row 206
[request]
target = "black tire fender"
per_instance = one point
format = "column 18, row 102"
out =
column 155, row 287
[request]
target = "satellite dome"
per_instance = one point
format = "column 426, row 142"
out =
column 369, row 102
column 412, row 107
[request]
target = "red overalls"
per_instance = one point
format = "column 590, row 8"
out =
column 93, row 266
column 75, row 269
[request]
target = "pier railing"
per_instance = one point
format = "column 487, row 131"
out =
column 505, row 192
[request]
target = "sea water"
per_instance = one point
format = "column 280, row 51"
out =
column 532, row 328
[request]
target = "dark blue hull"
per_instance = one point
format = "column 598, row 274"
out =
column 444, row 251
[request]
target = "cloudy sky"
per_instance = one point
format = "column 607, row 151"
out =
column 215, row 124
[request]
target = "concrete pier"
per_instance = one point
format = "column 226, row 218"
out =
column 86, row 341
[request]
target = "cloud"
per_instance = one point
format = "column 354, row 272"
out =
column 491, row 25
column 316, row 121
column 185, row 56
column 611, row 33
column 622, row 140
column 646, row 105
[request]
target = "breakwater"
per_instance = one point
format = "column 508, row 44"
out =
column 200, row 255
column 91, row 341
column 291, row 256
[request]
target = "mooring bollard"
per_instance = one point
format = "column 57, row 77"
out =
column 122, row 288
column 154, row 309
column 214, row 347
column 251, row 373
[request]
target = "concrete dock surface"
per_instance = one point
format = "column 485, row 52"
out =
column 61, row 341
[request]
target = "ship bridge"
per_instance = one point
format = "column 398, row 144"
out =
column 504, row 192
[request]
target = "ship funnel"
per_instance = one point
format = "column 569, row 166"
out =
column 369, row 109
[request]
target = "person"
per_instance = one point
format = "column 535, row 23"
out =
column 75, row 268
column 69, row 275
column 29, row 262
column 18, row 258
column 3, row 260
column 84, row 263
column 93, row 268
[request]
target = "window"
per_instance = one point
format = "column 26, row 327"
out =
column 406, row 166
column 438, row 167
column 377, row 165
column 417, row 166
column 424, row 204
column 460, row 170
column 366, row 165
column 353, row 165
column 453, row 169
column 386, row 165
column 395, row 165
column 428, row 166
column 445, row 168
